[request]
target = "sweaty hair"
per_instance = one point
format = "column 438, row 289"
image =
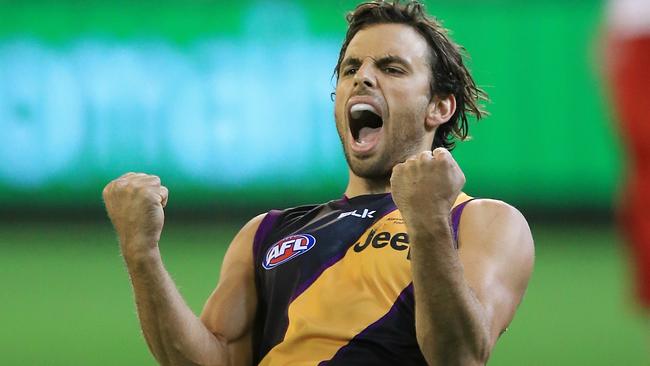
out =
column 448, row 71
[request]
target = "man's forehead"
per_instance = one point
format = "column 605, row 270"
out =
column 379, row 40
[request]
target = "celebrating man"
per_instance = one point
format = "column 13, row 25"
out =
column 404, row 269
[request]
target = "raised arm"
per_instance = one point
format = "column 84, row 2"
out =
column 468, row 297
column 464, row 298
column 174, row 334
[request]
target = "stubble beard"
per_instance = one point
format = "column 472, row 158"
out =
column 379, row 170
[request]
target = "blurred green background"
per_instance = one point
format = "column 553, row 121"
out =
column 225, row 99
column 229, row 102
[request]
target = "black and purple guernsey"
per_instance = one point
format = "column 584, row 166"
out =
column 334, row 285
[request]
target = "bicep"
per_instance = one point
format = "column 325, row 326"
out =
column 230, row 310
column 497, row 253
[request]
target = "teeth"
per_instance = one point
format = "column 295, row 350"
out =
column 355, row 110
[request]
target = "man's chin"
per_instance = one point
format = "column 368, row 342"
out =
column 369, row 168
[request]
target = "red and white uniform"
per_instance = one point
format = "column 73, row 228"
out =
column 627, row 55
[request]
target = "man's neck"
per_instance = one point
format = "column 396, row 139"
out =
column 358, row 186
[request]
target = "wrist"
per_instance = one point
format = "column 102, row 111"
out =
column 427, row 224
column 139, row 250
column 143, row 263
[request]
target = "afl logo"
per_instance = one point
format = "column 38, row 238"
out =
column 287, row 249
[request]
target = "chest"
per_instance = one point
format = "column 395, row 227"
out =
column 346, row 254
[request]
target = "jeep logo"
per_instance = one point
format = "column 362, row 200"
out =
column 399, row 241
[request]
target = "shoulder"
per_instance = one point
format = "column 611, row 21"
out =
column 495, row 223
column 268, row 224
column 250, row 228
column 270, row 218
column 255, row 222
column 485, row 211
column 239, row 250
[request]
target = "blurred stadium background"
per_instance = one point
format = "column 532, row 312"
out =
column 229, row 102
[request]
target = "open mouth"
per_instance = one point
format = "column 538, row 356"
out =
column 365, row 124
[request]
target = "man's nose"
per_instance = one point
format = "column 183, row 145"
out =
column 365, row 76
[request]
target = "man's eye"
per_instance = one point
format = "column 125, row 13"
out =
column 392, row 70
column 349, row 71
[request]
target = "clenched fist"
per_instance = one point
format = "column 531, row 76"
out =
column 135, row 205
column 426, row 185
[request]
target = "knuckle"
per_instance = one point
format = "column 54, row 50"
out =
column 120, row 184
column 106, row 190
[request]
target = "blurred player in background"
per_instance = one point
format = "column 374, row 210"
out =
column 628, row 68
column 389, row 274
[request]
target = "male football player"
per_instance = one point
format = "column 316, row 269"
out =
column 404, row 269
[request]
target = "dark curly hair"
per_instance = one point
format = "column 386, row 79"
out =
column 449, row 73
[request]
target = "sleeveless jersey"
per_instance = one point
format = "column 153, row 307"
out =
column 334, row 285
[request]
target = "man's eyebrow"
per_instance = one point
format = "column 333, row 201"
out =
column 351, row 61
column 379, row 62
column 392, row 59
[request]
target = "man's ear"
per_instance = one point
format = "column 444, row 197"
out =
column 440, row 110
